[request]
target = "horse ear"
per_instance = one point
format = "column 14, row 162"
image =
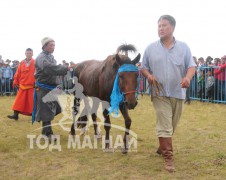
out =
column 118, row 59
column 136, row 60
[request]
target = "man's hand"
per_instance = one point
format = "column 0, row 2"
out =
column 15, row 85
column 185, row 82
column 150, row 79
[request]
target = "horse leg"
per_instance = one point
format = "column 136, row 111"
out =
column 72, row 130
column 96, row 132
column 128, row 121
column 75, row 112
column 107, row 127
column 82, row 122
column 93, row 111
column 83, row 119
column 94, row 118
column 73, row 127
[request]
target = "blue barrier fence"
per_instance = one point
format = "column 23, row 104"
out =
column 205, row 85
column 208, row 85
column 6, row 87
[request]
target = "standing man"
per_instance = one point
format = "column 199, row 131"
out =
column 24, row 79
column 170, row 62
column 7, row 77
column 47, row 78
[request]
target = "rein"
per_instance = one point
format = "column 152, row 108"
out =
column 129, row 92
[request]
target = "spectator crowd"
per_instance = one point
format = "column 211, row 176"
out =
column 8, row 69
column 7, row 72
column 208, row 84
column 209, row 81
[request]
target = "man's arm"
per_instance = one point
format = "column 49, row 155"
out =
column 185, row 82
column 148, row 75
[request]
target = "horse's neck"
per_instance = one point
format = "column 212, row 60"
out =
column 106, row 81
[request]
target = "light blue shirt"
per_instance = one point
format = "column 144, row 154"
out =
column 1, row 71
column 169, row 66
column 7, row 72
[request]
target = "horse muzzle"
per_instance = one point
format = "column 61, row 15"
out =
column 131, row 105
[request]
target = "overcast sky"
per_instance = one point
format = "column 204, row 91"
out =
column 93, row 29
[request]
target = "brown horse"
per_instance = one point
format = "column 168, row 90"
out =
column 97, row 79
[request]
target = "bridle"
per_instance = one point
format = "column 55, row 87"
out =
column 129, row 92
column 117, row 95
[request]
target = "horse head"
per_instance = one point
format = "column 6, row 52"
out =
column 128, row 79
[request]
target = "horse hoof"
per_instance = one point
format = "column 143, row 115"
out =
column 108, row 150
column 72, row 133
column 124, row 151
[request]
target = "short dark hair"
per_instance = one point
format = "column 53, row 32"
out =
column 170, row 18
column 29, row 49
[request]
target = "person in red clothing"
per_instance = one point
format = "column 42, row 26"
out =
column 216, row 83
column 24, row 79
column 220, row 74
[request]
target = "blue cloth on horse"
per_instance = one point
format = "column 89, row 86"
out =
column 117, row 96
column 48, row 87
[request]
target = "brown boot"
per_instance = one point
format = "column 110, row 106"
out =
column 159, row 151
column 167, row 153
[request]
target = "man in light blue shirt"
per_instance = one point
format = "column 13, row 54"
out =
column 7, row 76
column 169, row 62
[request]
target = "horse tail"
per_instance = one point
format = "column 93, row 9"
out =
column 124, row 48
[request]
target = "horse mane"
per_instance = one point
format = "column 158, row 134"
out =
column 124, row 48
column 122, row 51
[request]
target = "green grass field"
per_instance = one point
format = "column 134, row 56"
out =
column 199, row 148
